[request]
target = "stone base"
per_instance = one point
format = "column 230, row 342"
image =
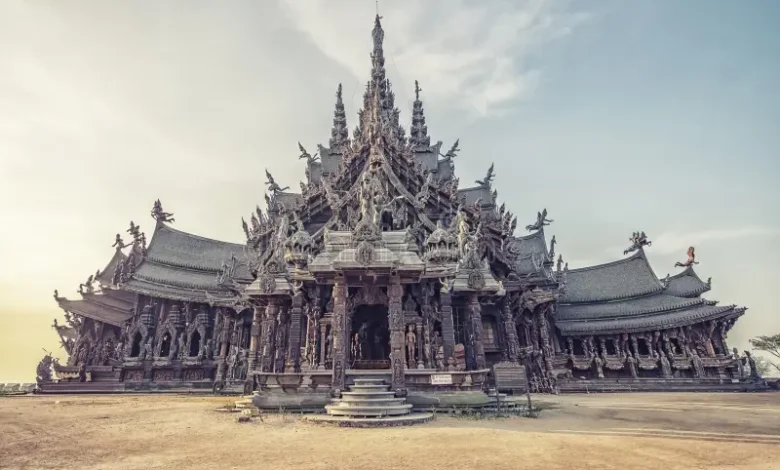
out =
column 658, row 385
column 390, row 421
column 291, row 401
column 447, row 400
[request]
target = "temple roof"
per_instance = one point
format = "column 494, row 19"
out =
column 106, row 276
column 622, row 279
column 647, row 322
column 182, row 266
column 686, row 284
column 104, row 307
column 523, row 250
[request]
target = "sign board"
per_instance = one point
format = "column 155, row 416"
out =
column 509, row 376
column 735, row 381
column 441, row 379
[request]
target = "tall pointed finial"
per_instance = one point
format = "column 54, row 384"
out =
column 418, row 138
column 339, row 134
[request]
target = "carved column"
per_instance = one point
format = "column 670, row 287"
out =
column 255, row 339
column 224, row 344
column 543, row 332
column 420, row 346
column 321, row 358
column 510, row 332
column 338, row 337
column 295, row 331
column 447, row 327
column 475, row 318
column 722, row 333
column 396, row 321
column 267, row 351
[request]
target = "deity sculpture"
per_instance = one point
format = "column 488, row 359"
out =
column 411, row 345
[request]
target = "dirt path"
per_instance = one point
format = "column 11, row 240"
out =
column 636, row 431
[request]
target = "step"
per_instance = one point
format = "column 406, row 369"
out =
column 396, row 410
column 370, row 382
column 378, row 388
column 347, row 422
column 368, row 394
column 351, row 402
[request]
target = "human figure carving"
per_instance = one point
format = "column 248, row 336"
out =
column 159, row 214
column 411, row 345
column 488, row 179
column 690, row 261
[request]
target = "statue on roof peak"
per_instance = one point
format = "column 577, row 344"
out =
column 160, row 215
column 118, row 243
column 690, row 261
column 638, row 241
column 488, row 180
column 306, row 155
column 273, row 187
column 541, row 221
column 453, row 151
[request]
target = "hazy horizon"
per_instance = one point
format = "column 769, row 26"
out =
column 615, row 116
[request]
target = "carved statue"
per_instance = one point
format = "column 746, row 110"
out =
column 306, row 155
column 134, row 231
column 488, row 180
column 698, row 366
column 453, row 151
column 118, row 243
column 159, row 215
column 559, row 263
column 638, row 240
column 148, row 348
column 209, row 349
column 598, row 363
column 411, row 345
column 541, row 221
column 43, row 371
column 552, row 247
column 754, row 373
column 666, row 367
column 182, row 346
column 691, row 259
column 631, row 363
column 273, row 187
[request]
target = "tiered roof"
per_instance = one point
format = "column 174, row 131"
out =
column 626, row 295
column 186, row 267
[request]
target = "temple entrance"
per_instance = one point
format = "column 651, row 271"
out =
column 369, row 341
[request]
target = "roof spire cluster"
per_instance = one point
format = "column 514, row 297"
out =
column 418, row 138
column 339, row 135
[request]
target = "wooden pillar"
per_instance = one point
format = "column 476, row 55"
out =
column 295, row 331
column 224, row 343
column 339, row 337
column 420, row 346
column 511, row 345
column 543, row 332
column 396, row 320
column 321, row 358
column 255, row 339
column 475, row 318
column 447, row 327
column 268, row 336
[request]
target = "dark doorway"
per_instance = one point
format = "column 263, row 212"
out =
column 135, row 349
column 194, row 344
column 165, row 347
column 369, row 340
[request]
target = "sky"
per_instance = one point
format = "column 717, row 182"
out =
column 614, row 115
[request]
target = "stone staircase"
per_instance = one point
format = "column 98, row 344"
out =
column 370, row 403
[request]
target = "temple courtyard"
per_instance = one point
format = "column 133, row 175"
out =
column 605, row 431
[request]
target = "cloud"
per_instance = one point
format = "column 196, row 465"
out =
column 476, row 55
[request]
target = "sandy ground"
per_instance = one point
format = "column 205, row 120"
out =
column 627, row 431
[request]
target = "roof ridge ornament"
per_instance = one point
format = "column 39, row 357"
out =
column 160, row 215
column 690, row 261
column 273, row 187
column 453, row 151
column 541, row 221
column 638, row 241
column 306, row 155
column 488, row 180
column 418, row 132
column 339, row 134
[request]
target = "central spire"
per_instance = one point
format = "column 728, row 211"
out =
column 378, row 55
